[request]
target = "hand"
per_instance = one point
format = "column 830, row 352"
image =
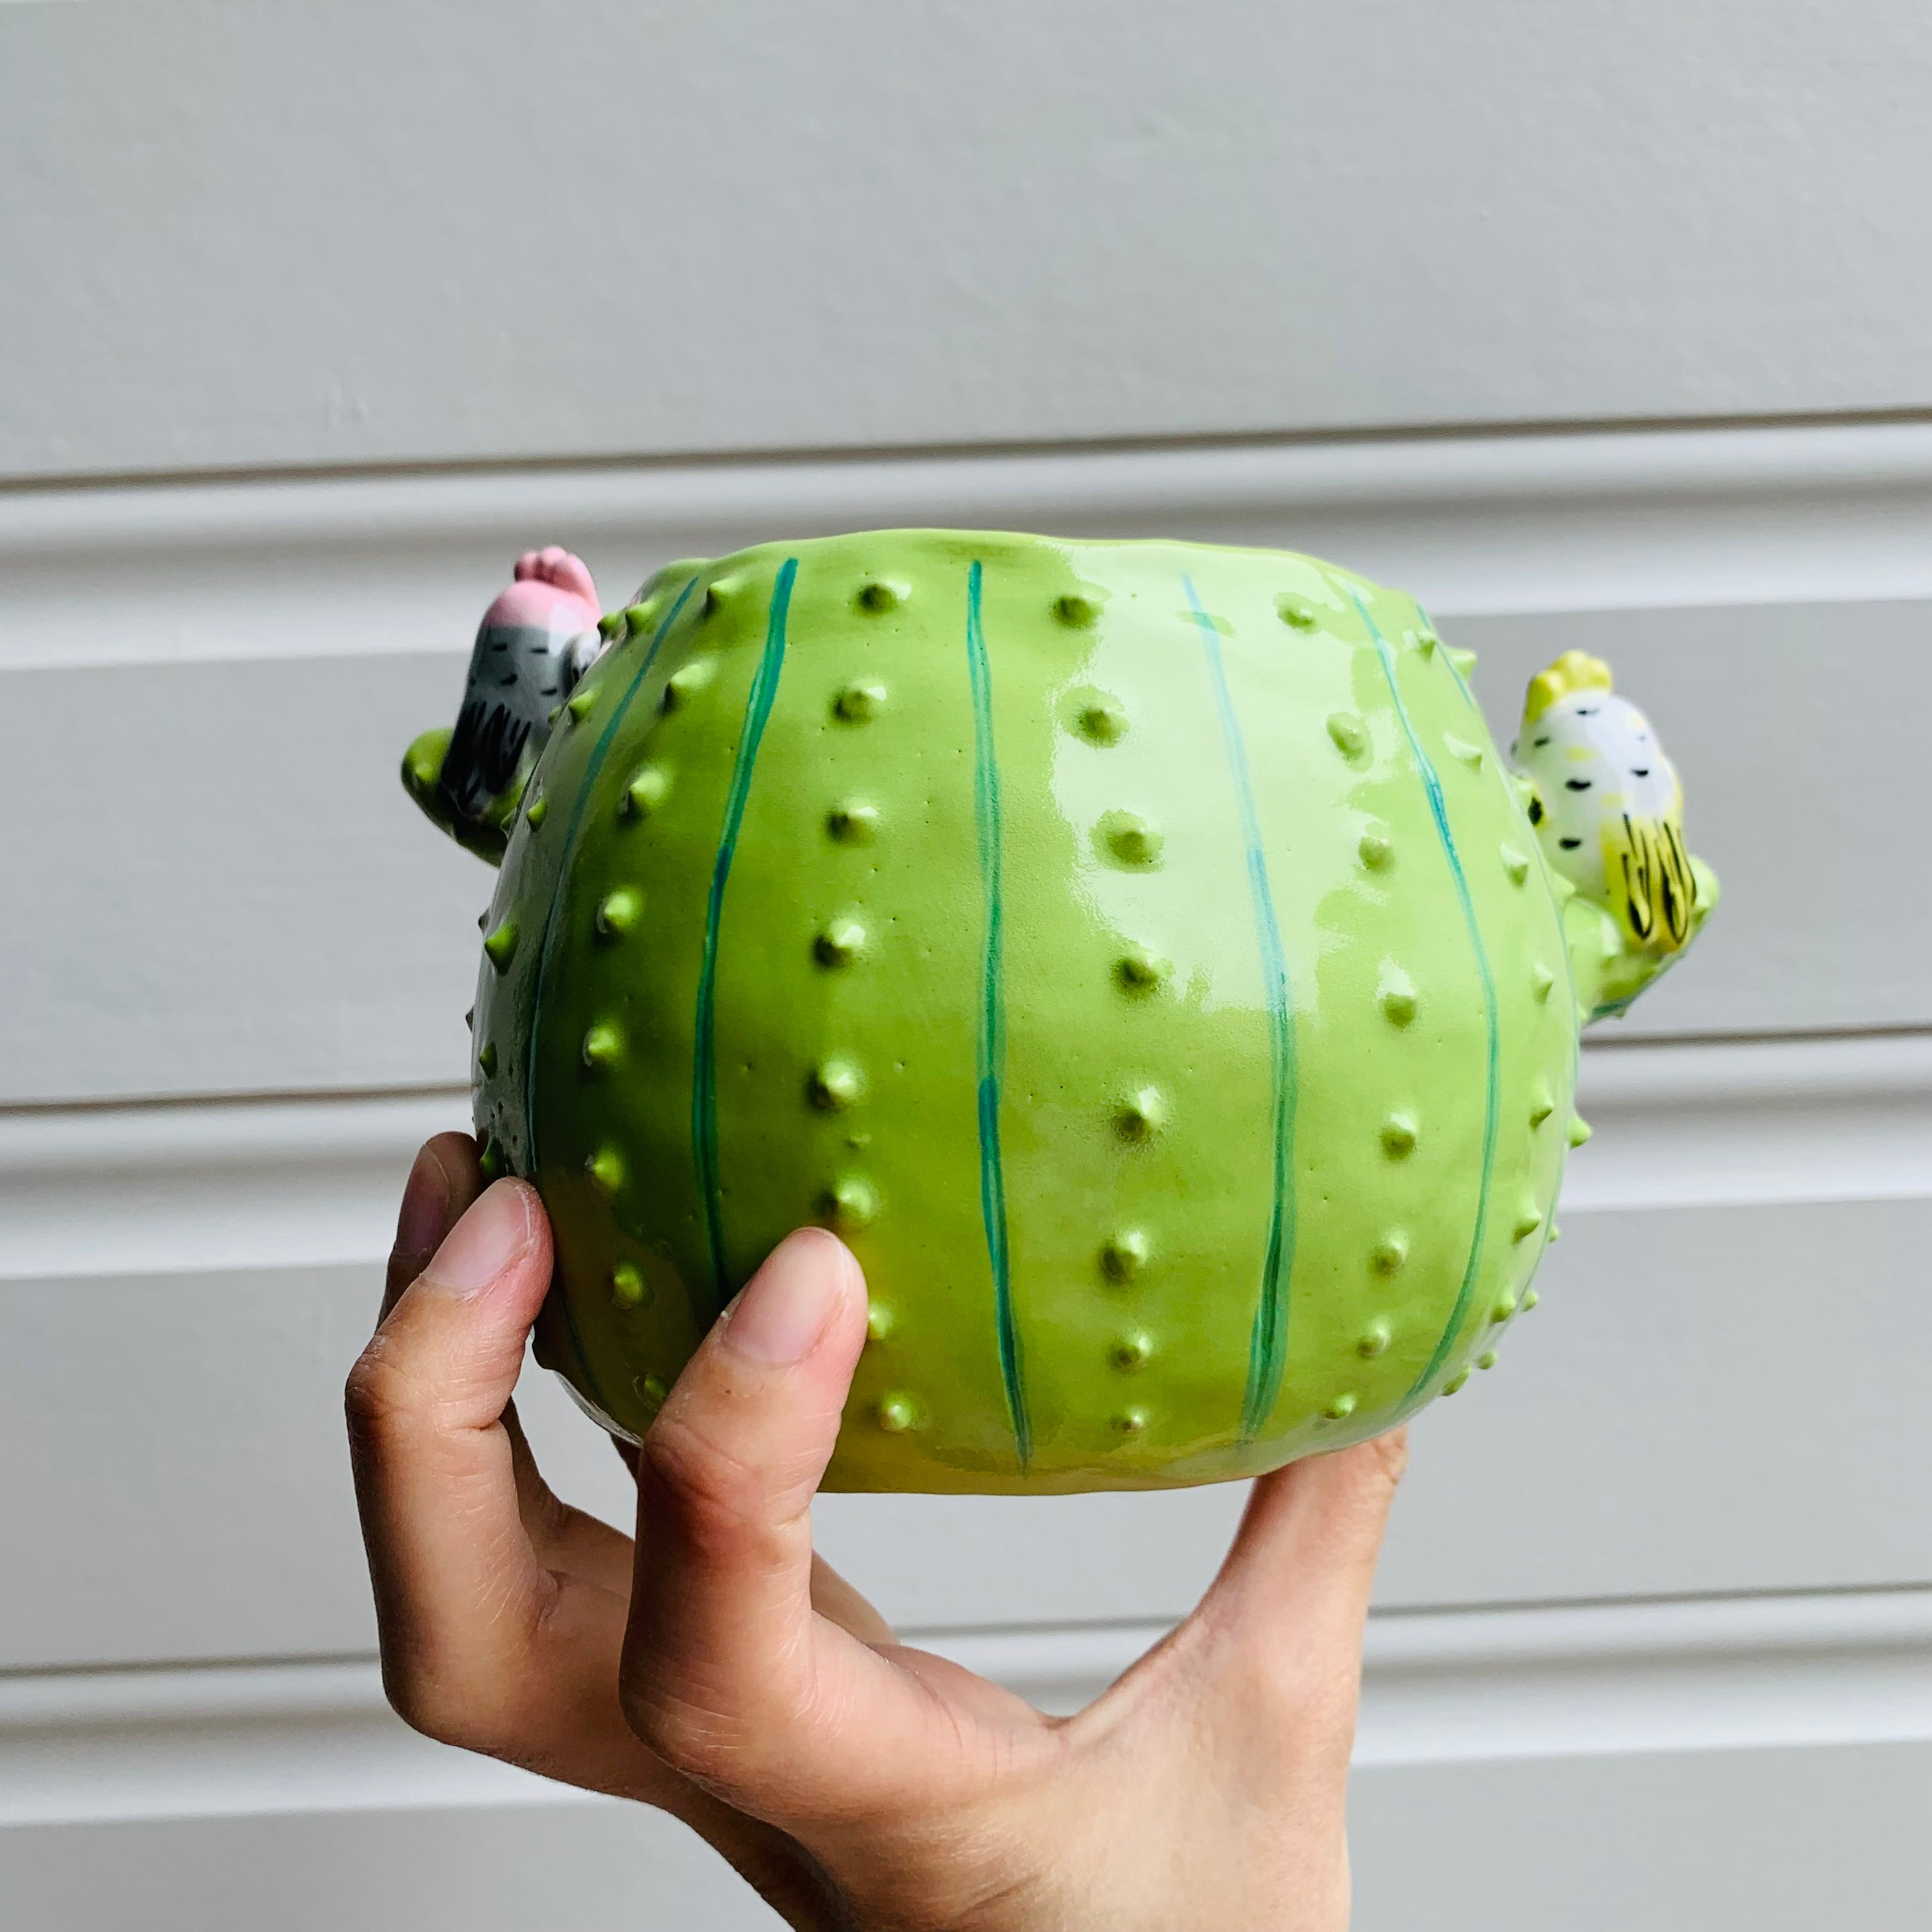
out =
column 718, row 1670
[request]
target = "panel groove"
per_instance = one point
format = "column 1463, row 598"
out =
column 1804, row 1669
column 322, row 566
column 216, row 1183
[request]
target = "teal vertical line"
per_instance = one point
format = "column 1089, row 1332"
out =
column 1267, row 1346
column 1439, row 811
column 598, row 753
column 704, row 1061
column 1562, row 939
column 1536, row 843
column 992, row 1018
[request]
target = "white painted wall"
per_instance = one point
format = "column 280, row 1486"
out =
column 250, row 235
column 1653, row 1641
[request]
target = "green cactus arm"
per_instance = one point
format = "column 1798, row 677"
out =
column 1609, row 969
column 422, row 767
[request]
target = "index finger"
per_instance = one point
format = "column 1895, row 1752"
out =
column 444, row 1179
column 458, row 1586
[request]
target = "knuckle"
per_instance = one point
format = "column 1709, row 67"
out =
column 727, row 1753
column 683, row 1738
column 379, row 1396
column 712, row 1494
column 494, row 1707
column 430, row 1716
column 438, row 1711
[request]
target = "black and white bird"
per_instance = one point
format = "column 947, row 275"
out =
column 535, row 641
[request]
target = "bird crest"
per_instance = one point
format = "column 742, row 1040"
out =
column 1573, row 671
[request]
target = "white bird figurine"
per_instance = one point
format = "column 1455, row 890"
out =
column 1607, row 806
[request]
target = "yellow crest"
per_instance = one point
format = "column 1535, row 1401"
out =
column 1574, row 671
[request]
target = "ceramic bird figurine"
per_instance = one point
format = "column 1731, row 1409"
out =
column 1138, row 952
column 1606, row 802
column 535, row 641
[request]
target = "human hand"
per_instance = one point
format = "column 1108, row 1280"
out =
column 719, row 1670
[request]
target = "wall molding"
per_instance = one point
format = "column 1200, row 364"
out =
column 1486, row 523
column 1735, row 1123
column 160, row 1189
column 163, row 1188
column 1440, row 1687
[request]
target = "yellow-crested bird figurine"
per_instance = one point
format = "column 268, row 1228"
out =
column 1608, row 809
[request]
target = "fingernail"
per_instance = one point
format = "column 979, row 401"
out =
column 784, row 1308
column 425, row 1215
column 488, row 1238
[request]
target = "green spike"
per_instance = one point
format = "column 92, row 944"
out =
column 501, row 945
column 619, row 911
column 603, row 1045
column 649, row 785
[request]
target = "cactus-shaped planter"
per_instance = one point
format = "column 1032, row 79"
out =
column 1138, row 952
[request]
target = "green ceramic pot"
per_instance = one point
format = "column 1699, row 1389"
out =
column 1138, row 952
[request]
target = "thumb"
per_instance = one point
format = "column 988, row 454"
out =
column 1284, row 1619
column 1312, row 1530
column 719, row 1664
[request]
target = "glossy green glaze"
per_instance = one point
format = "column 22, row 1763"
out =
column 1137, row 952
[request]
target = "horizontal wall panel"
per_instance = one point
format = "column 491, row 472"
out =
column 1716, row 1841
column 340, row 566
column 1713, row 1398
column 239, row 241
column 182, row 1186
column 1439, row 1686
column 175, row 1187
column 1741, row 1122
column 286, row 918
column 1729, row 1705
column 292, row 923
column 567, row 1867
column 1763, row 1840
